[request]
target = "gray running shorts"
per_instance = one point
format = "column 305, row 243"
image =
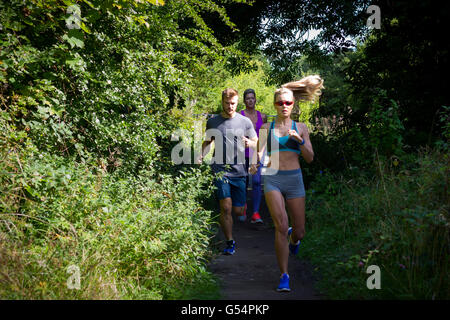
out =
column 288, row 182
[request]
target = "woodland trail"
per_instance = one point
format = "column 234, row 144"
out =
column 252, row 272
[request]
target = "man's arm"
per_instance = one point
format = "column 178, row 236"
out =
column 250, row 143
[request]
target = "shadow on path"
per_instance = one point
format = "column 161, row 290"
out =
column 252, row 272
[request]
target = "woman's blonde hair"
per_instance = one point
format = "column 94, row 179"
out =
column 307, row 88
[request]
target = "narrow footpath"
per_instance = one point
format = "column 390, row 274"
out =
column 252, row 272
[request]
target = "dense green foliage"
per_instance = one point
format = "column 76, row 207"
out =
column 104, row 88
column 376, row 196
column 255, row 79
column 370, row 188
column 86, row 118
column 397, row 219
column 131, row 238
column 404, row 61
column 373, row 198
column 88, row 107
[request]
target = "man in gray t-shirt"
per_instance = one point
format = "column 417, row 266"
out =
column 229, row 152
column 231, row 133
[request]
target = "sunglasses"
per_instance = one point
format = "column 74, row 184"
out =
column 282, row 103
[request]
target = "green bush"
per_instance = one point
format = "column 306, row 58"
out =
column 397, row 220
column 130, row 238
column 86, row 178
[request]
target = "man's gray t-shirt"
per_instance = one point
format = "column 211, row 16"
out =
column 229, row 131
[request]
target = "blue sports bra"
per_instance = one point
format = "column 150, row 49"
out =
column 284, row 143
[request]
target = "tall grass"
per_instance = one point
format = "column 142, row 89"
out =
column 396, row 218
column 144, row 237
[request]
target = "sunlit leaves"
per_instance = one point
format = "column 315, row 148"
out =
column 74, row 38
column 157, row 2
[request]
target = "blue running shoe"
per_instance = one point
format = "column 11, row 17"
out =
column 293, row 248
column 230, row 249
column 284, row 284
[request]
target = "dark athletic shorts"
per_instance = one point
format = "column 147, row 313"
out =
column 232, row 187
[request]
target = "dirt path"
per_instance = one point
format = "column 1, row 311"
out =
column 252, row 272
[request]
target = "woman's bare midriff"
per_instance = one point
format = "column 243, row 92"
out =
column 284, row 160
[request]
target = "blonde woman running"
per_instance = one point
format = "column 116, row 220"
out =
column 286, row 140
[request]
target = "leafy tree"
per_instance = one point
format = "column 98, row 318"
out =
column 406, row 58
column 106, row 85
column 88, row 91
column 280, row 28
